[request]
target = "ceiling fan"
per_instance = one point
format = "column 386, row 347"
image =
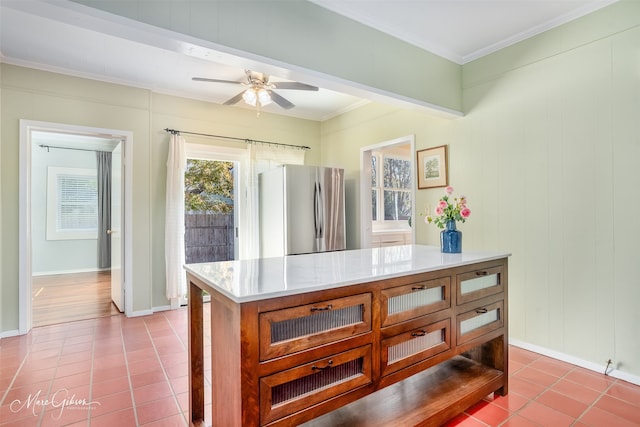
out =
column 260, row 92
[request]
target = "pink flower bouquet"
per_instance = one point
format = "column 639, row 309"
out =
column 449, row 209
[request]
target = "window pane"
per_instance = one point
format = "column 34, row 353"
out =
column 397, row 205
column 374, row 171
column 397, row 173
column 374, row 205
column 77, row 203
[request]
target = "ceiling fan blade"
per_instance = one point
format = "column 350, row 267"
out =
column 293, row 85
column 235, row 99
column 204, row 79
column 284, row 103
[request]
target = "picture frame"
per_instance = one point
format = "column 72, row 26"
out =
column 432, row 167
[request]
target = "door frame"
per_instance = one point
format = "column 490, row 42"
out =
column 223, row 154
column 365, row 186
column 25, row 244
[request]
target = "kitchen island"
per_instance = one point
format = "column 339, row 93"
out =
column 404, row 335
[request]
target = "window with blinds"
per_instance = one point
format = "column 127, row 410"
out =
column 72, row 204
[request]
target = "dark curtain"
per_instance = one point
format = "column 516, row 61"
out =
column 104, row 208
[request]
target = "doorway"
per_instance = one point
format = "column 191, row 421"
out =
column 211, row 203
column 387, row 205
column 209, row 211
column 75, row 211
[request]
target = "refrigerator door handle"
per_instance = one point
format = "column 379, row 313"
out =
column 316, row 203
column 320, row 212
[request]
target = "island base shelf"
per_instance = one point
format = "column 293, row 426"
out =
column 429, row 398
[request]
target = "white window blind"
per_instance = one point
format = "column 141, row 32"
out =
column 77, row 203
column 72, row 204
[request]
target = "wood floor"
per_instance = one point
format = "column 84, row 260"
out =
column 68, row 297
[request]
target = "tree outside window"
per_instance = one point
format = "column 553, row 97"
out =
column 391, row 195
column 208, row 186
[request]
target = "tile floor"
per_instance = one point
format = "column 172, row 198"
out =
column 116, row 371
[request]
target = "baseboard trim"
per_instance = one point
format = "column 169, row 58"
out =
column 151, row 311
column 8, row 334
column 161, row 308
column 595, row 367
column 57, row 272
column 175, row 305
column 141, row 313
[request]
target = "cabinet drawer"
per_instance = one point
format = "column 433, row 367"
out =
column 415, row 345
column 298, row 388
column 479, row 321
column 414, row 300
column 478, row 284
column 299, row 328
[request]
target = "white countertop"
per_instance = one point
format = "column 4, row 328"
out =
column 257, row 279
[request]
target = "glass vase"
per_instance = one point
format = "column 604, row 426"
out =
column 451, row 239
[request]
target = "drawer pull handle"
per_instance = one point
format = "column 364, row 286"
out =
column 481, row 273
column 328, row 307
column 419, row 288
column 481, row 310
column 418, row 333
column 322, row 368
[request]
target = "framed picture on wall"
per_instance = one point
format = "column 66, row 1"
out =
column 432, row 167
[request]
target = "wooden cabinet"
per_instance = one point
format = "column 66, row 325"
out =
column 480, row 299
column 431, row 344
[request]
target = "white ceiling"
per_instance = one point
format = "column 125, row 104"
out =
column 463, row 30
column 72, row 39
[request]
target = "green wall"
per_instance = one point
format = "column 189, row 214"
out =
column 301, row 35
column 547, row 155
column 57, row 255
column 345, row 135
column 558, row 116
column 43, row 96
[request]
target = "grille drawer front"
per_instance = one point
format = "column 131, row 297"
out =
column 414, row 300
column 294, row 329
column 415, row 345
column 321, row 322
column 479, row 284
column 479, row 321
column 292, row 390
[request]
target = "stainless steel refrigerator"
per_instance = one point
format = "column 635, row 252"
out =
column 301, row 210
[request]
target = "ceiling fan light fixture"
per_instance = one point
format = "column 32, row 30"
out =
column 264, row 97
column 250, row 97
column 259, row 92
